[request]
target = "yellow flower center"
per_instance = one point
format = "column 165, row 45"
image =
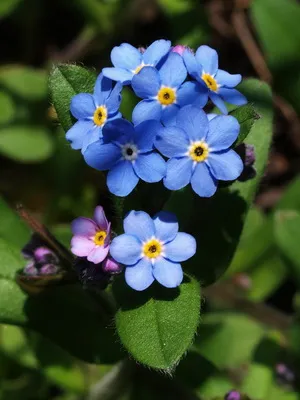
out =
column 99, row 238
column 100, row 115
column 166, row 96
column 210, row 81
column 152, row 249
column 198, row 151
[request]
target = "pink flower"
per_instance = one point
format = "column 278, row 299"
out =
column 91, row 236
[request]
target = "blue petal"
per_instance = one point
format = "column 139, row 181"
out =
column 119, row 131
column 121, row 179
column 77, row 133
column 146, row 109
column 102, row 89
column 94, row 135
column 233, row 96
column 208, row 58
column 223, row 131
column 194, row 69
column 156, row 51
column 212, row 116
column 146, row 83
column 145, row 134
column 83, row 106
column 166, row 226
column 102, row 156
column 114, row 100
column 217, row 100
column 126, row 249
column 168, row 273
column 118, row 74
column 139, row 224
column 172, row 142
column 126, row 56
column 192, row 93
column 179, row 172
column 223, row 78
column 193, row 121
column 139, row 277
column 225, row 165
column 169, row 114
column 173, row 72
column 203, row 183
column 150, row 167
column 181, row 248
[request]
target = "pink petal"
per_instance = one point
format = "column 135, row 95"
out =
column 107, row 239
column 111, row 266
column 100, row 218
column 81, row 246
column 84, row 227
column 98, row 254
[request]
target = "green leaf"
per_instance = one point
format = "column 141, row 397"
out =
column 129, row 101
column 246, row 115
column 27, row 83
column 287, row 231
column 227, row 339
column 217, row 222
column 7, row 108
column 34, row 351
column 158, row 325
column 25, row 143
column 277, row 26
column 65, row 82
column 258, row 381
column 8, row 6
column 290, row 199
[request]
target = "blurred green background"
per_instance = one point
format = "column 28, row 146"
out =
column 255, row 38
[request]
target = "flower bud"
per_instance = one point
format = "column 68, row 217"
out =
column 48, row 269
column 111, row 266
column 233, row 395
column 247, row 154
column 30, row 269
column 180, row 49
column 43, row 255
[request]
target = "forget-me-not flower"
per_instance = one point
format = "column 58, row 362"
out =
column 199, row 151
column 128, row 60
column 216, row 84
column 128, row 153
column 93, row 111
column 152, row 249
column 163, row 91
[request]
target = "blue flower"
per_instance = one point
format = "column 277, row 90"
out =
column 128, row 60
column 93, row 111
column 152, row 249
column 199, row 151
column 163, row 91
column 128, row 153
column 216, row 84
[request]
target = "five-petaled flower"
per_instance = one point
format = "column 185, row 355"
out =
column 93, row 111
column 128, row 60
column 163, row 91
column 215, row 83
column 199, row 151
column 128, row 153
column 152, row 249
column 91, row 236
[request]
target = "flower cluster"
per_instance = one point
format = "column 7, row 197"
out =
column 170, row 138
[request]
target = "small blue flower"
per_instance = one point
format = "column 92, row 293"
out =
column 216, row 84
column 128, row 60
column 199, row 151
column 93, row 111
column 163, row 91
column 152, row 249
column 128, row 153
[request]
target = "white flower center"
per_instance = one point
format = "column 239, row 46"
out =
column 129, row 151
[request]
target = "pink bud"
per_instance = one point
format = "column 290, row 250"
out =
column 111, row 266
column 180, row 49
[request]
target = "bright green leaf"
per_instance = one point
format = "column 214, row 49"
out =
column 158, row 325
column 24, row 82
column 7, row 108
column 8, row 6
column 65, row 82
column 246, row 115
column 25, row 143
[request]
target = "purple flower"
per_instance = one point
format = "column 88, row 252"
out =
column 233, row 395
column 91, row 236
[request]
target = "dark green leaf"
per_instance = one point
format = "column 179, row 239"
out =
column 65, row 82
column 158, row 325
column 7, row 108
column 246, row 115
column 277, row 26
column 290, row 199
column 218, row 222
column 8, row 6
column 25, row 143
